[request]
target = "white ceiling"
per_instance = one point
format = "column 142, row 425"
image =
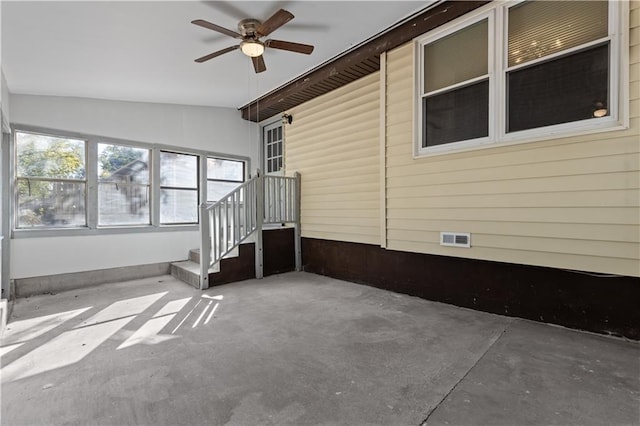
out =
column 144, row 51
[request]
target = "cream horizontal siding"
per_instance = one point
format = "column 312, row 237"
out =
column 570, row 203
column 334, row 143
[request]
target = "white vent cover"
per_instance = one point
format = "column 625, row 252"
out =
column 455, row 239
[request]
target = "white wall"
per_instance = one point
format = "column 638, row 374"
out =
column 4, row 120
column 219, row 130
column 4, row 97
column 212, row 129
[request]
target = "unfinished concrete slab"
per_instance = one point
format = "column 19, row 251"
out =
column 299, row 349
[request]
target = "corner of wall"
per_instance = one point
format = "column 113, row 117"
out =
column 4, row 101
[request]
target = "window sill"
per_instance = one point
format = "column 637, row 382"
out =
column 523, row 137
column 73, row 232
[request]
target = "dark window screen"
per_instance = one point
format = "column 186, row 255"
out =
column 457, row 115
column 559, row 91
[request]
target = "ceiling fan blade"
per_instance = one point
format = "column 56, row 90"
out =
column 276, row 20
column 290, row 46
column 214, row 27
column 258, row 64
column 218, row 53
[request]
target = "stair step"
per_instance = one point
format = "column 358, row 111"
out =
column 189, row 272
column 194, row 254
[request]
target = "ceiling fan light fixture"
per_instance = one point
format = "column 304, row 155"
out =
column 252, row 48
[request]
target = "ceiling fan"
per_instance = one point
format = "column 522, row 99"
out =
column 249, row 32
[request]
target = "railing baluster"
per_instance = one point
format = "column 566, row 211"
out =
column 236, row 215
column 214, row 233
column 267, row 197
column 221, row 231
column 279, row 187
column 236, row 218
column 289, row 199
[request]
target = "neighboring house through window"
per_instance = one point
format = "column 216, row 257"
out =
column 519, row 70
column 51, row 181
column 124, row 185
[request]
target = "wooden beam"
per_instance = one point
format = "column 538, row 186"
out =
column 430, row 19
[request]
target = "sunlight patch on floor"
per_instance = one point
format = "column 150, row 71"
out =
column 6, row 349
column 25, row 330
column 63, row 350
column 149, row 333
column 123, row 308
column 73, row 345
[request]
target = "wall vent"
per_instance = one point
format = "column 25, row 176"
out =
column 455, row 239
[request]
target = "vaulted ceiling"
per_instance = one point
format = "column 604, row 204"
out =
column 144, row 51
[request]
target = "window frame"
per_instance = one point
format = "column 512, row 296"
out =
column 16, row 178
column 279, row 158
column 128, row 144
column 91, row 174
column 618, row 34
column 208, row 179
column 197, row 188
column 439, row 34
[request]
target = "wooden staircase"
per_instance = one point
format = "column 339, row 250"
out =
column 227, row 223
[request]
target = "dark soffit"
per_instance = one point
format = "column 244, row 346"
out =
column 363, row 60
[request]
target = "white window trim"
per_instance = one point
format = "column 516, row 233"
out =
column 268, row 126
column 207, row 179
column 496, row 12
column 91, row 160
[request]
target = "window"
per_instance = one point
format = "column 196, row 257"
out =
column 178, row 188
column 69, row 184
column 50, row 181
column 516, row 71
column 124, row 185
column 223, row 176
column 273, row 153
column 456, row 86
column 555, row 72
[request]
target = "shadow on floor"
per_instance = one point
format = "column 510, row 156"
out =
column 300, row 349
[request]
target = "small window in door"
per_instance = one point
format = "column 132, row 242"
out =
column 273, row 149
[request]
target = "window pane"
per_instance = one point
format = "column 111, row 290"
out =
column 178, row 170
column 50, row 203
column 178, row 206
column 217, row 190
column 121, row 203
column 457, row 115
column 123, row 185
column 218, row 168
column 123, row 163
column 50, row 157
column 559, row 91
column 456, row 58
column 541, row 28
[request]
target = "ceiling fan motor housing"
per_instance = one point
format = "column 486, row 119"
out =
column 249, row 28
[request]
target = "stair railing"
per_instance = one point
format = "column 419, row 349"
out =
column 225, row 224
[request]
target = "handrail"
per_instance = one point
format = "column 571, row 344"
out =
column 225, row 224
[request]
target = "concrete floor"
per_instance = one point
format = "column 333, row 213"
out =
column 300, row 349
